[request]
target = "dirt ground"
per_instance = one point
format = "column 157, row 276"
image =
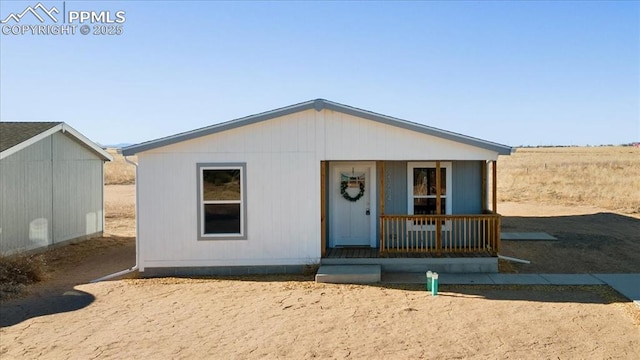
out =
column 293, row 317
column 276, row 318
column 590, row 240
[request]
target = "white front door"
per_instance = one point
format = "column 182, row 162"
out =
column 352, row 204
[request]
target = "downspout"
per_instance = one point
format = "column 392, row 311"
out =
column 135, row 267
column 508, row 258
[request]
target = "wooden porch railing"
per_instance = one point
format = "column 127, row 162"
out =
column 440, row 233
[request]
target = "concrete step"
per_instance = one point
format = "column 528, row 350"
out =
column 349, row 274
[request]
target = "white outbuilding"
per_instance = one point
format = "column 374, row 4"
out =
column 51, row 186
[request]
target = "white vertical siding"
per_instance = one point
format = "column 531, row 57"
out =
column 77, row 183
column 283, row 224
column 25, row 199
column 348, row 137
column 291, row 133
column 282, row 158
column 50, row 191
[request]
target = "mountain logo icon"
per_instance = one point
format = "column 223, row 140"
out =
column 34, row 11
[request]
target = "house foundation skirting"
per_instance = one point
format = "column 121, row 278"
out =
column 443, row 265
column 223, row 270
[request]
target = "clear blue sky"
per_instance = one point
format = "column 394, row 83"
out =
column 518, row 73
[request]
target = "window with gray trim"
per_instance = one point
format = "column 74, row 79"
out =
column 221, row 201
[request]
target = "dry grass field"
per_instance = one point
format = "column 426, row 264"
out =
column 118, row 171
column 605, row 177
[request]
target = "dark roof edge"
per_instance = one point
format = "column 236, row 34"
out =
column 318, row 105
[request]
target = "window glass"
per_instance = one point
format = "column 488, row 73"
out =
column 223, row 184
column 427, row 206
column 420, row 181
column 424, row 181
column 222, row 218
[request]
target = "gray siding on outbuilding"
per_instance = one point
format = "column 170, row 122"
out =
column 50, row 192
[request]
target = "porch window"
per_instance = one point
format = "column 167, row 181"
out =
column 221, row 195
column 422, row 189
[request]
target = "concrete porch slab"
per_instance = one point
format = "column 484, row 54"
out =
column 349, row 274
column 527, row 236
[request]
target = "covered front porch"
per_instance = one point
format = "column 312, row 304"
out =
column 426, row 221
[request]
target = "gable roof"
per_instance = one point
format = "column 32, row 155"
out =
column 15, row 136
column 318, row 105
column 13, row 133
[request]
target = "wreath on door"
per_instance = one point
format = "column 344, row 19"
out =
column 352, row 182
column 343, row 191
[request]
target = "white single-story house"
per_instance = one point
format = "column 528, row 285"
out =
column 316, row 182
column 51, row 186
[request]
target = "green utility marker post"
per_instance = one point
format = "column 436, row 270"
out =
column 434, row 284
column 429, row 275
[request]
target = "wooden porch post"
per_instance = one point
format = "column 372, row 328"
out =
column 382, row 196
column 438, row 202
column 494, row 184
column 323, row 209
column 438, row 192
column 495, row 205
column 483, row 176
column 381, row 184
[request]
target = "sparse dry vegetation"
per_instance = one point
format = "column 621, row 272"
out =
column 118, row 171
column 607, row 177
column 16, row 272
column 20, row 270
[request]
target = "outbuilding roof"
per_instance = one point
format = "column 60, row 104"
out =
column 15, row 136
column 13, row 133
column 318, row 105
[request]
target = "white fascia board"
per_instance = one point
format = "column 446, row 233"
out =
column 318, row 105
column 104, row 154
